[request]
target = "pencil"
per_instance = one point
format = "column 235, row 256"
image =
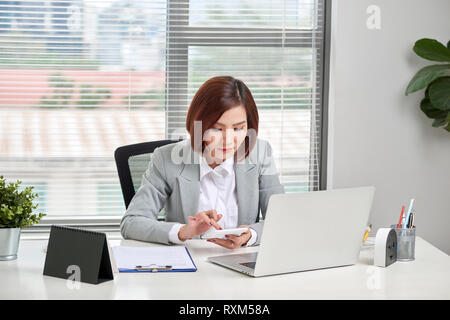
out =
column 399, row 225
column 366, row 234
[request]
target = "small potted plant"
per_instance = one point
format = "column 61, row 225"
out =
column 435, row 79
column 16, row 212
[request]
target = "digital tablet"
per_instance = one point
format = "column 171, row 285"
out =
column 214, row 233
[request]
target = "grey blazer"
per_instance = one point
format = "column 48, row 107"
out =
column 172, row 181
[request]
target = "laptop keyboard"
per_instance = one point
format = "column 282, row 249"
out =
column 250, row 265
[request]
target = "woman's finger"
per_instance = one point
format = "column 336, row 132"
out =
column 229, row 244
column 232, row 237
column 203, row 218
column 237, row 240
column 248, row 229
column 193, row 220
column 224, row 243
column 216, row 225
column 211, row 213
column 209, row 221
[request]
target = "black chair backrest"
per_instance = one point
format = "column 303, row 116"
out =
column 132, row 161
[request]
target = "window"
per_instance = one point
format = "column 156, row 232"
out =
column 79, row 78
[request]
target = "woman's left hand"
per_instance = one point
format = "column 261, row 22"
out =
column 233, row 242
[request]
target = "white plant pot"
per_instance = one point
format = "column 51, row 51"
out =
column 9, row 243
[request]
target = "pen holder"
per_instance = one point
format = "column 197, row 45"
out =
column 406, row 243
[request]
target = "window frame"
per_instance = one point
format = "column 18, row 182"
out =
column 177, row 91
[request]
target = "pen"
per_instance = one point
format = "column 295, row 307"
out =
column 366, row 234
column 412, row 220
column 411, row 203
column 399, row 225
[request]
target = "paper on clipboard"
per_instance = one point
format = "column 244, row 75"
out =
column 175, row 256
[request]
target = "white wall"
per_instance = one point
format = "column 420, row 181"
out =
column 379, row 136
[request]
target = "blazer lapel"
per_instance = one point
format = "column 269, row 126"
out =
column 245, row 187
column 189, row 183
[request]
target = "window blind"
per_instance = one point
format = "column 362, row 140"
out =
column 80, row 78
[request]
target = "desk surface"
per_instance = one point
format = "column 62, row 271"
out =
column 428, row 277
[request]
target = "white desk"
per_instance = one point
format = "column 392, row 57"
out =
column 428, row 277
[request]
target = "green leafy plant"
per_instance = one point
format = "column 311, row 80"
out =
column 154, row 96
column 16, row 207
column 90, row 98
column 436, row 80
column 62, row 92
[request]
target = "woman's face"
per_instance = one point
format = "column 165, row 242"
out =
column 226, row 135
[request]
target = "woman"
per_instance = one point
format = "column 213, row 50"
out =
column 221, row 177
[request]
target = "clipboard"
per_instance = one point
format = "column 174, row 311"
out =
column 71, row 249
column 161, row 267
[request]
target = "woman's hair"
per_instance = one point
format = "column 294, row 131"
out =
column 212, row 99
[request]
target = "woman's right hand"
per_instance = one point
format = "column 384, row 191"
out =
column 198, row 224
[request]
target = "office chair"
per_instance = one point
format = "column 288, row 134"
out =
column 132, row 161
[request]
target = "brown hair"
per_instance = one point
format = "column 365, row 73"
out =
column 212, row 99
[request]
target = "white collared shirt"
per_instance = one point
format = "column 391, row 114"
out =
column 218, row 192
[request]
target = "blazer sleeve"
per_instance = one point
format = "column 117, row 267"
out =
column 140, row 220
column 269, row 183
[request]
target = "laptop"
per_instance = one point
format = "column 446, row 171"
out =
column 307, row 231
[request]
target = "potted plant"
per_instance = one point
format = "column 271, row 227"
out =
column 435, row 79
column 16, row 212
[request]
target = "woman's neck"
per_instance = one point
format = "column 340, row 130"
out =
column 213, row 165
column 214, row 162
